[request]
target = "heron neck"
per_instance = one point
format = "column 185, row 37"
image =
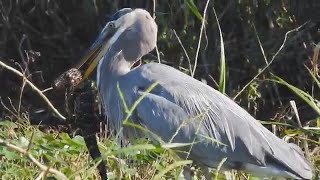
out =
column 118, row 67
column 110, row 69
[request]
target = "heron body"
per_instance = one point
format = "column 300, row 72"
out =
column 181, row 109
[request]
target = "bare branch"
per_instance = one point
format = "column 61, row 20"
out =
column 154, row 17
column 44, row 168
column 184, row 50
column 34, row 88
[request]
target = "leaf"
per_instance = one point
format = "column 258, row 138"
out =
column 171, row 167
column 49, row 137
column 293, row 131
column 303, row 95
column 175, row 145
column 23, row 142
column 8, row 124
column 193, row 8
column 222, row 78
column 135, row 148
column 76, row 142
column 10, row 155
column 316, row 80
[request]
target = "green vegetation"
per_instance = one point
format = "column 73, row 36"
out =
column 256, row 50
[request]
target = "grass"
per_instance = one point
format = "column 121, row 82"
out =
column 141, row 160
column 69, row 155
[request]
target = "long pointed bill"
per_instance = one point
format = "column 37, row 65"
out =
column 93, row 57
column 95, row 54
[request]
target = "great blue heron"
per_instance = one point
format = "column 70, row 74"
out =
column 180, row 108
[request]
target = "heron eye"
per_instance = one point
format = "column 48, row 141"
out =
column 111, row 25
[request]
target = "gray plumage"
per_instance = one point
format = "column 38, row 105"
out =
column 179, row 103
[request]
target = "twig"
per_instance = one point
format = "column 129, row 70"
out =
column 316, row 56
column 21, row 94
column 260, row 44
column 184, row 50
column 34, row 88
column 158, row 54
column 11, row 104
column 24, row 60
column 200, row 37
column 154, row 17
column 48, row 89
column 7, row 108
column 154, row 9
column 271, row 61
column 41, row 175
column 58, row 174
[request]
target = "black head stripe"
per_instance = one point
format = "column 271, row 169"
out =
column 120, row 13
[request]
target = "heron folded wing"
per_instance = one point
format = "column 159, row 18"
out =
column 173, row 124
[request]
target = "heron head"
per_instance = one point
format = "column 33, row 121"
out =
column 133, row 32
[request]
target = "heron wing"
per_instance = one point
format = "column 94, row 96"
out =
column 201, row 114
column 216, row 115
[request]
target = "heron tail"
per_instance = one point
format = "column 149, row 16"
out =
column 287, row 161
column 292, row 161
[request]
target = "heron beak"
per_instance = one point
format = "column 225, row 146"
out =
column 95, row 53
column 94, row 57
